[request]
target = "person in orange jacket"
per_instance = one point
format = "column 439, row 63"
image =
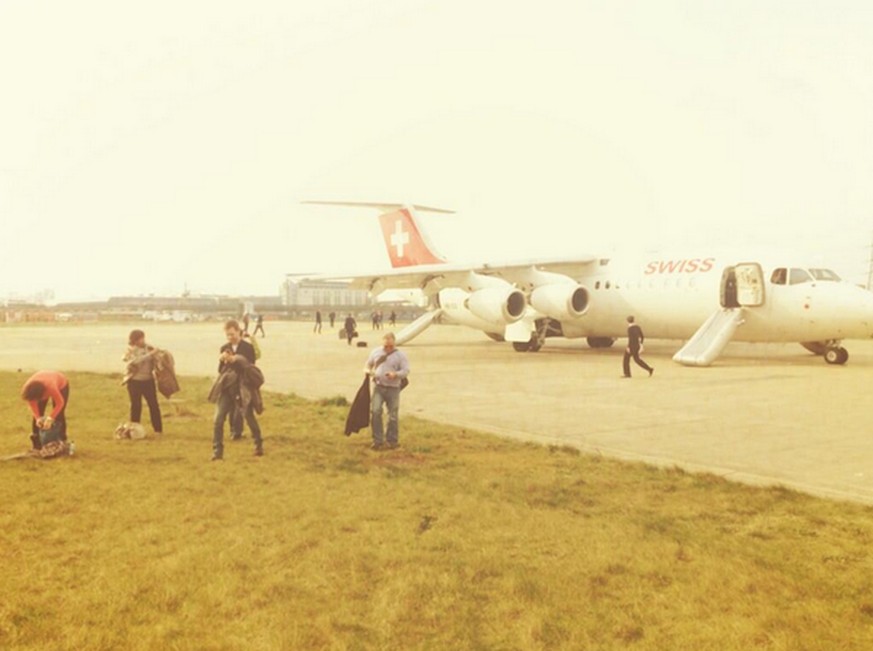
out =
column 37, row 391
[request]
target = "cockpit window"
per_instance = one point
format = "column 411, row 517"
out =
column 780, row 276
column 824, row 274
column 798, row 276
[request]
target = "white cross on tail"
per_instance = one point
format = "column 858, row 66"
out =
column 400, row 238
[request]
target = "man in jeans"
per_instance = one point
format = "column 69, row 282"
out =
column 226, row 392
column 388, row 367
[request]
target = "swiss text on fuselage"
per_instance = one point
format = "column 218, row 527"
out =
column 685, row 265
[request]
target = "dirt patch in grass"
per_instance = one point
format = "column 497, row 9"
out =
column 399, row 458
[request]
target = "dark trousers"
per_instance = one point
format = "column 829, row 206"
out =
column 635, row 355
column 260, row 327
column 225, row 409
column 61, row 420
column 139, row 389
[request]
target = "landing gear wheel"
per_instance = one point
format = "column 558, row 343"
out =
column 535, row 345
column 836, row 356
column 521, row 346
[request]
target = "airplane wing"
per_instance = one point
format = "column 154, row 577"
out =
column 504, row 298
column 432, row 278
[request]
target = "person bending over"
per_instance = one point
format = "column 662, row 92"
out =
column 37, row 391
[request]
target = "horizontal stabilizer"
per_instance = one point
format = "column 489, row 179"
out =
column 384, row 207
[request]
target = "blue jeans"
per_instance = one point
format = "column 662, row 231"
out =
column 227, row 408
column 390, row 397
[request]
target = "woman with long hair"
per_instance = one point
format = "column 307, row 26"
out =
column 140, row 380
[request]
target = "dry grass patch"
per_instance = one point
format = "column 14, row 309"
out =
column 455, row 541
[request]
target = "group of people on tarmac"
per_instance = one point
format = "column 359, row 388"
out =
column 377, row 319
column 235, row 392
column 259, row 325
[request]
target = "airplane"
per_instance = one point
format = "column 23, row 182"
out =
column 706, row 300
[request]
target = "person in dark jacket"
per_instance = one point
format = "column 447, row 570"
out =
column 317, row 327
column 332, row 317
column 227, row 400
column 635, row 340
column 140, row 360
column 259, row 326
column 350, row 326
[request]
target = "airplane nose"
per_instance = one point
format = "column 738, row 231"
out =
column 868, row 311
column 852, row 307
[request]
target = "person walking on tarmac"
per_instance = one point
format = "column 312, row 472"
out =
column 259, row 325
column 317, row 327
column 350, row 327
column 635, row 340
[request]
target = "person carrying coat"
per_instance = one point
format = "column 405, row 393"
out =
column 140, row 380
column 237, row 390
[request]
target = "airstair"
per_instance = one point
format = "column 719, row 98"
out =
column 711, row 338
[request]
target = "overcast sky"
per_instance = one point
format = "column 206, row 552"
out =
column 146, row 146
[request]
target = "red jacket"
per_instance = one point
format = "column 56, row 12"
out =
column 53, row 381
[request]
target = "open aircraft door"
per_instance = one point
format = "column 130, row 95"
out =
column 742, row 286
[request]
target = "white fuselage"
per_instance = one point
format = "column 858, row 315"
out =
column 671, row 297
column 674, row 296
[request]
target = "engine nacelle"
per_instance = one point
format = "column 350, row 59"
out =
column 498, row 306
column 560, row 301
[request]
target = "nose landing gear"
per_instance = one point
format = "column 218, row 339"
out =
column 836, row 355
column 831, row 350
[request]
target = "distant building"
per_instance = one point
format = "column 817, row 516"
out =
column 297, row 292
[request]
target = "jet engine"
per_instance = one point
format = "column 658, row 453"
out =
column 499, row 306
column 560, row 301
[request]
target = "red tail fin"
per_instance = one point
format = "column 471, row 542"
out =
column 406, row 244
column 405, row 241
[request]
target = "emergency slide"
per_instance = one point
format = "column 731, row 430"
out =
column 418, row 326
column 708, row 342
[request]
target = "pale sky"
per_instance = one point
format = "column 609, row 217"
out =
column 146, row 146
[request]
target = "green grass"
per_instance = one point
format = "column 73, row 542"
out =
column 456, row 541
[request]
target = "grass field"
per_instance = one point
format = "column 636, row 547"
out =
column 456, row 541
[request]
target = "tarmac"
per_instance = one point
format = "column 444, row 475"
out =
column 764, row 414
